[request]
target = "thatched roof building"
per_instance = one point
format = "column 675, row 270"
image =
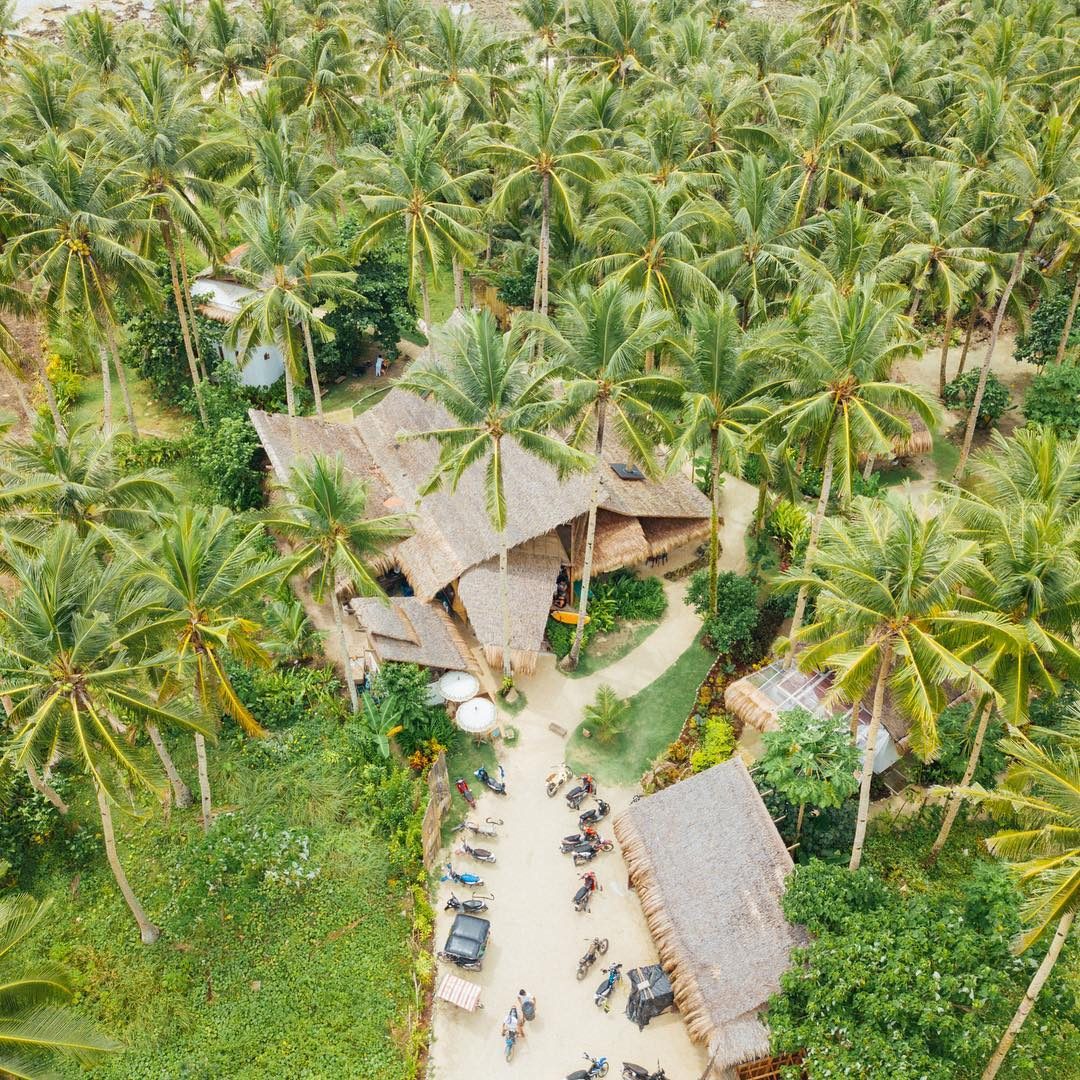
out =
column 409, row 630
column 709, row 867
column 453, row 542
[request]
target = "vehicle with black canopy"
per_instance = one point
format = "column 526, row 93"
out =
column 650, row 994
column 467, row 942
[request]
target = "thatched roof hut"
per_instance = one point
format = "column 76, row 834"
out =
column 410, row 630
column 453, row 542
column 709, row 868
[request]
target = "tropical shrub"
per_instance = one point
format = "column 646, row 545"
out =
column 282, row 697
column 961, row 392
column 1040, row 342
column 560, row 636
column 606, row 716
column 827, row 834
column 731, row 630
column 149, row 452
column 516, row 279
column 66, row 382
column 633, row 599
column 1052, row 710
column 717, row 744
column 957, row 736
column 223, row 458
column 405, row 686
column 789, row 525
column 1053, row 399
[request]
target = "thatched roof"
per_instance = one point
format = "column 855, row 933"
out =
column 666, row 534
column 410, row 630
column 619, row 542
column 709, row 868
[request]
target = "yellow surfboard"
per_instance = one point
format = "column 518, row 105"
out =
column 569, row 617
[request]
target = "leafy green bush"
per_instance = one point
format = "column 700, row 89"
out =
column 560, row 637
column 826, row 834
column 717, row 744
column 957, row 735
column 67, row 384
column 224, row 460
column 282, row 697
column 633, row 599
column 960, row 393
column 606, row 716
column 406, row 686
column 789, row 526
column 149, row 452
column 1051, row 710
column 731, row 630
column 1053, row 399
column 1040, row 343
column 516, row 279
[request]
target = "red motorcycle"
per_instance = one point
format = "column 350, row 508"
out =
column 466, row 794
column 583, row 896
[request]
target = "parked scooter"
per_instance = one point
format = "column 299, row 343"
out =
column 602, row 997
column 489, row 781
column 583, row 897
column 478, row 853
column 462, row 879
column 577, row 794
column 556, row 779
column 586, row 836
column 597, row 948
column 511, row 1030
column 597, row 1067
column 471, row 907
column 631, row 1071
column 466, row 794
column 479, row 830
column 585, row 853
column 592, row 816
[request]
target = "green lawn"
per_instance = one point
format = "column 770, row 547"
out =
column 151, row 417
column 596, row 657
column 655, row 718
column 945, row 456
column 358, row 394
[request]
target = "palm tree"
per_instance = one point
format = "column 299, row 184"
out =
column 323, row 515
column 843, row 403
column 886, row 580
column 290, row 263
column 71, row 682
column 226, row 49
column 158, row 132
column 838, row 20
column 207, row 572
column 1040, row 790
column 73, row 217
column 614, row 37
column 1042, row 185
column 36, row 1028
column 724, row 372
column 544, row 144
column 651, row 239
column 483, row 379
column 392, row 33
column 409, row 187
column 599, row 344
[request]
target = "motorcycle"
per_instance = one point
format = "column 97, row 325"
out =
column 462, row 879
column 631, row 1071
column 597, row 1067
column 591, row 817
column 511, row 1031
column 597, row 948
column 602, row 997
column 489, row 781
column 478, row 853
column 585, row 853
column 583, row 896
column 471, row 907
column 586, row 836
column 466, row 794
column 479, row 830
column 577, row 795
column 556, row 779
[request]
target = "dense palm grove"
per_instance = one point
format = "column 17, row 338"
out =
column 720, row 234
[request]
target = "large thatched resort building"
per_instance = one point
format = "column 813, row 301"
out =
column 450, row 561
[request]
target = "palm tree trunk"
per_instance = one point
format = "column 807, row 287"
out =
column 545, row 241
column 309, row 347
column 714, row 518
column 953, row 804
column 762, row 502
column 106, row 394
column 121, row 376
column 346, row 659
column 426, row 302
column 916, row 300
column 204, row 781
column 1068, row 321
column 193, row 322
column 50, row 397
column 181, row 792
column 290, row 406
column 185, row 327
column 944, row 365
column 811, row 549
column 868, row 468
column 868, row 758
column 147, row 930
column 504, row 602
column 1003, row 303
column 572, row 659
column 43, row 787
column 804, row 195
column 1030, row 995
column 799, row 820
column 967, row 339
column 27, row 408
column 459, row 283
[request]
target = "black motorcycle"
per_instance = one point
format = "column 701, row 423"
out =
column 489, row 781
column 597, row 1067
column 583, row 896
column 597, row 813
column 631, row 1071
column 588, row 836
column 585, row 853
column 478, row 853
column 602, row 997
column 597, row 948
column 580, row 792
column 472, row 907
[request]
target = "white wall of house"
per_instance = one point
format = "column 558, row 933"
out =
column 263, row 364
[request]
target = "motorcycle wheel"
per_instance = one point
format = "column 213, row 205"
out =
column 580, row 860
column 552, row 788
column 582, row 971
column 510, row 1048
column 603, row 1070
column 602, row 947
column 607, row 845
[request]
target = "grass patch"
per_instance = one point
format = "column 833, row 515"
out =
column 358, row 393
column 945, row 456
column 512, row 708
column 152, row 417
column 597, row 656
column 462, row 761
column 655, row 718
column 900, row 475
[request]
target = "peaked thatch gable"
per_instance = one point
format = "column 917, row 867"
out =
column 409, row 630
column 709, row 868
